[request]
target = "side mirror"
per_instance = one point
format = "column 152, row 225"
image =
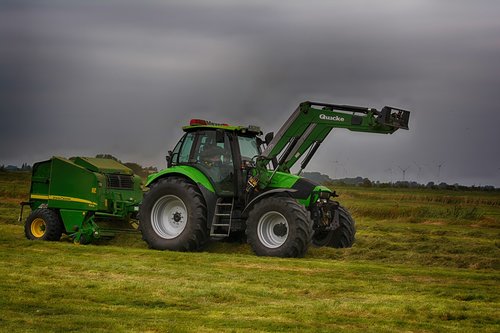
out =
column 269, row 137
column 169, row 158
column 260, row 142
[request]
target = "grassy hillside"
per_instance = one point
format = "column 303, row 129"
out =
column 424, row 261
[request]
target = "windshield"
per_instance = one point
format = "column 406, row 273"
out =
column 248, row 147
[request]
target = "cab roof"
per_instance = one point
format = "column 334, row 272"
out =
column 199, row 124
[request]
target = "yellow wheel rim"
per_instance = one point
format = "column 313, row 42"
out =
column 38, row 227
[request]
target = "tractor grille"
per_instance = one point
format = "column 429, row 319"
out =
column 120, row 181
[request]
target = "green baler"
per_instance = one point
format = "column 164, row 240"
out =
column 73, row 196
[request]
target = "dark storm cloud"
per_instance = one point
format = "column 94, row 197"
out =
column 122, row 77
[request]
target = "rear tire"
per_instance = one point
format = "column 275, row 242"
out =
column 173, row 216
column 279, row 227
column 43, row 224
column 342, row 237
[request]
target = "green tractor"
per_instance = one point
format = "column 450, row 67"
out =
column 225, row 181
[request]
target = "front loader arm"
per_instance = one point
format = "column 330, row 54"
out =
column 311, row 122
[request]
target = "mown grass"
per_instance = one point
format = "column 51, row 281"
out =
column 409, row 271
column 63, row 287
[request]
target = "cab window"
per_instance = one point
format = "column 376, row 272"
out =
column 212, row 155
column 185, row 149
column 248, row 147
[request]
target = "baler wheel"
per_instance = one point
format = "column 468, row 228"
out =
column 342, row 237
column 279, row 227
column 173, row 216
column 43, row 224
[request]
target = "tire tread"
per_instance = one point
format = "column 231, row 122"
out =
column 199, row 235
column 302, row 225
column 54, row 226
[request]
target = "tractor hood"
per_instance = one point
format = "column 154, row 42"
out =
column 303, row 187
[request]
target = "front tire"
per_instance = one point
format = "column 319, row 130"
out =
column 279, row 227
column 342, row 237
column 43, row 224
column 173, row 216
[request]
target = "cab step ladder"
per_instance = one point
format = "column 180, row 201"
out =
column 222, row 210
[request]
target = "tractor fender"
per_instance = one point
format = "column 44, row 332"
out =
column 288, row 191
column 196, row 177
column 189, row 172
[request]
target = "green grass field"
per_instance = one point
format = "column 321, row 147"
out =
column 423, row 261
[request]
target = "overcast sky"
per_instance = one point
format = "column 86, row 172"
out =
column 122, row 77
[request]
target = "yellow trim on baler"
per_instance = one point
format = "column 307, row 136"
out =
column 62, row 198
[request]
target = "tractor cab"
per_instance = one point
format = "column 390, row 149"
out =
column 223, row 153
